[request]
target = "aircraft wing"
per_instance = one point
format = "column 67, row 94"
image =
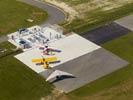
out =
column 51, row 59
column 58, row 73
column 37, row 60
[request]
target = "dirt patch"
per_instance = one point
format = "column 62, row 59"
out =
column 55, row 95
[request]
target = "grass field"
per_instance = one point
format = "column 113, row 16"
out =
column 97, row 18
column 84, row 15
column 116, row 86
column 18, row 82
column 75, row 2
column 13, row 15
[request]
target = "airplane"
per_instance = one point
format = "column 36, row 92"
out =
column 59, row 75
column 46, row 65
column 45, row 61
column 47, row 50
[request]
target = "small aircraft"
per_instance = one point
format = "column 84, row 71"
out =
column 59, row 75
column 45, row 61
column 46, row 65
column 47, row 50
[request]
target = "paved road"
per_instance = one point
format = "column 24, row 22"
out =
column 55, row 15
column 126, row 22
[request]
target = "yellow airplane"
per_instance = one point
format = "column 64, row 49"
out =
column 51, row 59
column 45, row 61
column 46, row 65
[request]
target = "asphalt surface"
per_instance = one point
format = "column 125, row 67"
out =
column 55, row 15
column 86, row 69
column 106, row 33
column 126, row 22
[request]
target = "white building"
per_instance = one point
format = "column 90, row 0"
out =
column 34, row 37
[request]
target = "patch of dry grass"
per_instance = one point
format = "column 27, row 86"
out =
column 84, row 15
column 81, row 8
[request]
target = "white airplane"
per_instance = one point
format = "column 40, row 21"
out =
column 57, row 74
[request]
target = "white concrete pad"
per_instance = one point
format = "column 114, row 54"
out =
column 72, row 47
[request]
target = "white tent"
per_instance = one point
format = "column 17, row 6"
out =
column 58, row 73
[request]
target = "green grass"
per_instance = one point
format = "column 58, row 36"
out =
column 18, row 82
column 98, row 17
column 75, row 2
column 8, row 49
column 123, row 47
column 13, row 15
